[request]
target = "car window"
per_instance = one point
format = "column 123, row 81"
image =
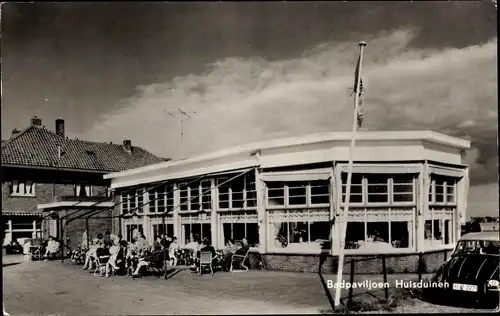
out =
column 477, row 247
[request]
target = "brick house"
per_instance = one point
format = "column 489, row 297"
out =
column 45, row 171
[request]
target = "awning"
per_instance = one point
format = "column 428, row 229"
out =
column 179, row 176
column 301, row 175
column 447, row 172
column 21, row 214
column 74, row 204
column 381, row 168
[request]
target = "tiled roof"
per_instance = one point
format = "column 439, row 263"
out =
column 37, row 147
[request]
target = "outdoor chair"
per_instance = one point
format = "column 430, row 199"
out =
column 101, row 260
column 184, row 256
column 206, row 261
column 240, row 259
column 156, row 265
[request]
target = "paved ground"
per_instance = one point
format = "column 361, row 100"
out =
column 53, row 288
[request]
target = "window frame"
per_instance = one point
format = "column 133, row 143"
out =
column 286, row 219
column 308, row 196
column 16, row 184
column 128, row 196
column 446, row 215
column 432, row 191
column 247, row 180
column 84, row 185
column 390, row 190
column 411, row 219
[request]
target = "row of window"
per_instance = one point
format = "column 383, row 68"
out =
column 397, row 189
column 27, row 188
column 298, row 194
column 305, row 230
column 240, row 193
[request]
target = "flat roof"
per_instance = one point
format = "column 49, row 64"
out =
column 430, row 136
column 487, row 235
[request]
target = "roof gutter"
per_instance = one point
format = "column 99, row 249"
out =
column 56, row 169
column 251, row 148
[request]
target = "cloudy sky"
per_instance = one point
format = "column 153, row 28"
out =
column 254, row 71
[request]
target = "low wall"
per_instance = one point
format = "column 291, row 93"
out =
column 428, row 262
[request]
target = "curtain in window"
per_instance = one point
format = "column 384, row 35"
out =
column 29, row 187
column 77, row 190
column 15, row 186
column 278, row 238
column 21, row 188
column 87, row 190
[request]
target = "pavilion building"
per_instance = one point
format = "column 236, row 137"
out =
column 408, row 198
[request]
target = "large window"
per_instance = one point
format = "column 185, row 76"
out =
column 132, row 201
column 22, row 188
column 381, row 189
column 239, row 193
column 133, row 231
column 163, row 229
column 298, row 194
column 196, row 230
column 439, row 226
column 298, row 230
column 442, row 190
column 161, row 199
column 378, row 231
column 238, row 225
column 196, row 195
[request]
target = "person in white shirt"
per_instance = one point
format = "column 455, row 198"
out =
column 142, row 243
column 27, row 250
column 95, row 244
column 116, row 255
column 174, row 245
column 84, row 244
column 52, row 247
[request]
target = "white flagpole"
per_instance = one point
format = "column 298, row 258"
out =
column 343, row 222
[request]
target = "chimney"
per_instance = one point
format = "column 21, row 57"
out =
column 15, row 131
column 35, row 121
column 60, row 127
column 127, row 145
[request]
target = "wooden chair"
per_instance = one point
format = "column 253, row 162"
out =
column 206, row 262
column 241, row 259
column 101, row 260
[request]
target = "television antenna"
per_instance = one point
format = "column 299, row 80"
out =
column 180, row 113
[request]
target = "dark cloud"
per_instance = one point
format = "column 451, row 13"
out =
column 453, row 91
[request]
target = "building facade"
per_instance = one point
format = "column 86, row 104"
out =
column 44, row 170
column 407, row 201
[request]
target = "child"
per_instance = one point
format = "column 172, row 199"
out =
column 27, row 250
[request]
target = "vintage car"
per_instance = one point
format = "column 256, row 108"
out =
column 472, row 273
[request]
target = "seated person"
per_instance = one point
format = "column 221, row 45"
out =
column 174, row 245
column 141, row 243
column 117, row 259
column 91, row 253
column 52, row 247
column 206, row 247
column 155, row 259
column 242, row 251
column 229, row 251
column 132, row 257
